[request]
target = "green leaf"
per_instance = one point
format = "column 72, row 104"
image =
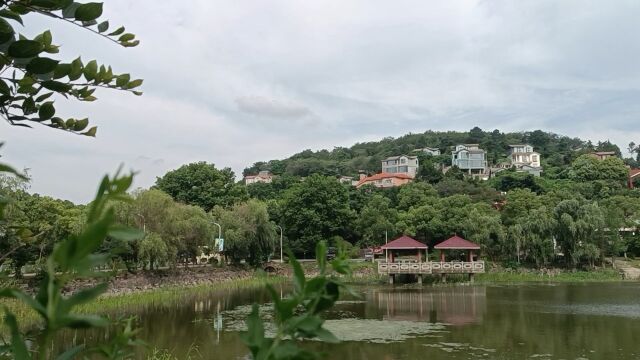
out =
column 103, row 26
column 47, row 38
column 25, row 48
column 76, row 69
column 61, row 71
column 6, row 31
column 42, row 65
column 134, row 83
column 91, row 70
column 69, row 12
column 71, row 353
column 125, row 233
column 80, row 124
column 83, row 321
column 88, row 11
column 11, row 15
column 122, row 80
column 126, row 37
column 298, row 273
column 4, row 88
column 46, row 4
column 18, row 346
column 56, row 86
column 117, row 32
column 47, row 110
column 321, row 256
column 84, row 296
column 254, row 337
column 91, row 132
column 326, row 336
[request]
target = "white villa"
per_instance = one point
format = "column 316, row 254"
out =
column 525, row 159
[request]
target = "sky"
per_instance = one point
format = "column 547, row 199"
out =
column 235, row 82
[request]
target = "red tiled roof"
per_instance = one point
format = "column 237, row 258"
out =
column 404, row 242
column 381, row 176
column 456, row 242
column 634, row 172
column 604, row 153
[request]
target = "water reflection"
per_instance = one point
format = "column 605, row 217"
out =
column 451, row 305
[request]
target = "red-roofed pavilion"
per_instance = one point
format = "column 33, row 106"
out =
column 457, row 243
column 404, row 245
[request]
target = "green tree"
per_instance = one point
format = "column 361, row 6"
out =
column 248, row 233
column 203, row 185
column 577, row 225
column 153, row 250
column 589, row 168
column 316, row 209
column 415, row 194
column 376, row 219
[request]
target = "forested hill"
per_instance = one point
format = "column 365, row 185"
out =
column 557, row 151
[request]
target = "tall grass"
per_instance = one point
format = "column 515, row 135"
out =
column 133, row 301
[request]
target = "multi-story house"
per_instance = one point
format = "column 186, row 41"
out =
column 384, row 180
column 470, row 159
column 264, row 176
column 402, row 164
column 525, row 159
column 429, row 151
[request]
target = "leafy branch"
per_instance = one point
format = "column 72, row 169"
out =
column 73, row 258
column 35, row 76
column 299, row 316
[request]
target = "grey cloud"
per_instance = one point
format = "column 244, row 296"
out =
column 262, row 106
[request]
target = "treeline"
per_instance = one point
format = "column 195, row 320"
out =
column 569, row 220
column 557, row 152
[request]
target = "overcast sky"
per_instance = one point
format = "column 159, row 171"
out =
column 234, row 82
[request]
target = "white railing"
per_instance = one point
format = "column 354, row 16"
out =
column 432, row 267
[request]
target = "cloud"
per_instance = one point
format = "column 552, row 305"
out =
column 237, row 82
column 261, row 106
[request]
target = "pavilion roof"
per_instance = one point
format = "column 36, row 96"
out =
column 404, row 242
column 456, row 242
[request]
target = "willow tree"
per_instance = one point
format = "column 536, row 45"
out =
column 577, row 226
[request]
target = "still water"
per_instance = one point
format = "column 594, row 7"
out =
column 560, row 321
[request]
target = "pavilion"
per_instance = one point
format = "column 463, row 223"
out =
column 403, row 246
column 457, row 243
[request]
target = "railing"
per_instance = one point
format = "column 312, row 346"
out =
column 431, row 267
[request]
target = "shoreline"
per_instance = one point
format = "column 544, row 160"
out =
column 165, row 289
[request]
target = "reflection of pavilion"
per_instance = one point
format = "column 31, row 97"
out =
column 458, row 305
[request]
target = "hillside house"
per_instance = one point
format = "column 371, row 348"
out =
column 525, row 159
column 384, row 180
column 470, row 159
column 402, row 164
column 429, row 151
column 602, row 155
column 262, row 177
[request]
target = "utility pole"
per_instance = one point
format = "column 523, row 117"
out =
column 219, row 230
column 281, row 256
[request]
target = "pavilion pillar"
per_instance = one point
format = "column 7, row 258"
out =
column 470, row 255
column 471, row 277
column 391, row 279
column 441, row 256
column 419, row 279
column 443, row 278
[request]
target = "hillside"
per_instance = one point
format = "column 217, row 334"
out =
column 557, row 152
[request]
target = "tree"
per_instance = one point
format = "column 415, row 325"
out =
column 203, row 185
column 313, row 210
column 376, row 219
column 576, row 226
column 415, row 194
column 37, row 78
column 153, row 249
column 589, row 168
column 248, row 233
column 519, row 203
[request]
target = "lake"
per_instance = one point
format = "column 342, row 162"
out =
column 541, row 321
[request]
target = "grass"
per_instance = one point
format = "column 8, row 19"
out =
column 132, row 301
